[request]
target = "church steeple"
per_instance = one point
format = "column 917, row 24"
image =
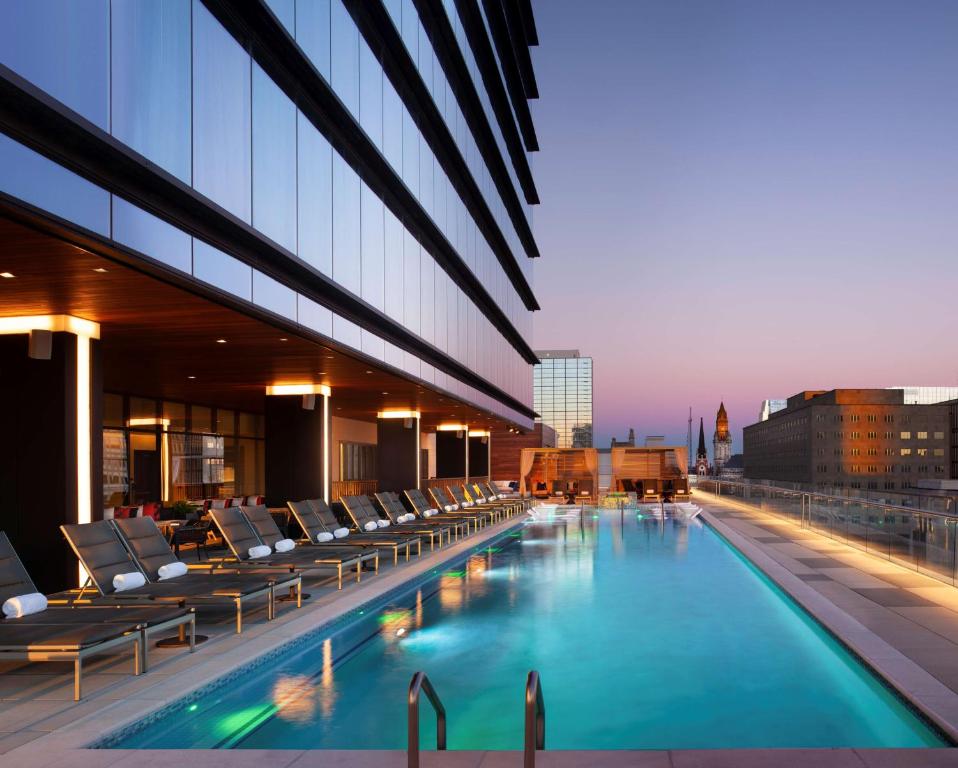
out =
column 721, row 423
column 722, row 442
column 700, row 453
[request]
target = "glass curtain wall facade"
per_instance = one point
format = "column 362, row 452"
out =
column 563, row 396
column 169, row 82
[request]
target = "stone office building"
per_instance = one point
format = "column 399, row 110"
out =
column 851, row 438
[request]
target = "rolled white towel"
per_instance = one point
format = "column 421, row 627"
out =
column 125, row 581
column 323, row 536
column 481, row 499
column 371, row 525
column 172, row 570
column 383, row 523
column 468, row 504
column 450, row 507
column 24, row 605
column 430, row 512
column 285, row 545
column 260, row 550
column 341, row 533
column 404, row 518
column 494, row 497
column 455, row 507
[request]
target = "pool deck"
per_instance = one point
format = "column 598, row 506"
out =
column 905, row 625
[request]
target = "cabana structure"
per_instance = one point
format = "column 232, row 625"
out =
column 651, row 472
column 557, row 472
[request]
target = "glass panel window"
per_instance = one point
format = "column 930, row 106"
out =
column 285, row 11
column 63, row 47
column 373, row 249
column 222, row 270
column 116, row 473
column 393, row 266
column 315, row 198
column 150, row 71
column 274, row 161
column 273, row 295
column 344, row 50
column 151, row 236
column 346, row 226
column 175, row 414
column 113, row 411
column 250, row 424
column 225, row 421
column 312, row 32
column 221, row 115
column 41, row 182
column 201, row 418
column 143, row 409
column 370, row 94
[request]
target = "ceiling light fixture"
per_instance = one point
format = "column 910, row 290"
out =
column 283, row 338
column 101, row 270
column 191, row 377
column 7, row 275
column 221, row 341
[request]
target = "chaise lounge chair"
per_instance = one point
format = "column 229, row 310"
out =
column 422, row 507
column 392, row 506
column 364, row 516
column 447, row 502
column 486, row 499
column 66, row 633
column 315, row 517
column 465, row 502
column 313, row 553
column 106, row 550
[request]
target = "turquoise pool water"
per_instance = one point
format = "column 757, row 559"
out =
column 646, row 633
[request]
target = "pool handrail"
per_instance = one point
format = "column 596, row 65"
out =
column 419, row 683
column 535, row 720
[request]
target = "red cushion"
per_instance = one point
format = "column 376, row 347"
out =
column 152, row 510
column 122, row 513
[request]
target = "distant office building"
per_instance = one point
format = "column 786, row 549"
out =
column 562, row 396
column 629, row 442
column 928, row 395
column 652, row 440
column 721, row 441
column 769, row 407
column 852, row 438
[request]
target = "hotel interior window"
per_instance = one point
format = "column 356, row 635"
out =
column 939, row 452
column 906, row 435
column 922, row 451
column 357, row 461
column 939, row 435
column 922, row 435
column 906, row 451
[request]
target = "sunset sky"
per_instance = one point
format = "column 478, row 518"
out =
column 742, row 200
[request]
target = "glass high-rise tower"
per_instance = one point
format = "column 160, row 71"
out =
column 562, row 396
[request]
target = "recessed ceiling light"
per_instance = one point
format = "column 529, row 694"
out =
column 385, row 393
column 320, row 373
column 368, row 371
column 7, row 275
column 330, row 357
column 101, row 270
column 191, row 377
column 221, row 341
column 284, row 339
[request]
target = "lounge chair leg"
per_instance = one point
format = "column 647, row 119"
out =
column 143, row 662
column 359, row 571
column 192, row 633
column 77, row 677
column 271, row 604
column 299, row 595
column 239, row 617
column 396, row 555
column 418, row 547
column 376, row 561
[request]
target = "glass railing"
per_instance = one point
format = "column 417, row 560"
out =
column 921, row 540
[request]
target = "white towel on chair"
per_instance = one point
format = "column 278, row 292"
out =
column 341, row 533
column 430, row 512
column 285, row 545
column 371, row 525
column 383, row 523
column 172, row 570
column 125, row 581
column 24, row 605
column 323, row 536
column 260, row 550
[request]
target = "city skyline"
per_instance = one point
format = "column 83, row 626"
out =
column 716, row 197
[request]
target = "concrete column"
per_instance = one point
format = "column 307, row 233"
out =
column 51, row 454
column 296, row 422
column 398, row 450
column 480, row 446
column 452, row 451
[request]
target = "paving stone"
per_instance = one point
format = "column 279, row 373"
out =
column 892, row 597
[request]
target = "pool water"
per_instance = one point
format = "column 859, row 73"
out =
column 646, row 634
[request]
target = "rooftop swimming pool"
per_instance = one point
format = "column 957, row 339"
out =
column 647, row 633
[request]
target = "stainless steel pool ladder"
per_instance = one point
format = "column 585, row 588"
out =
column 421, row 683
column 535, row 720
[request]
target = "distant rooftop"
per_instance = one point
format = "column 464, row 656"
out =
column 545, row 354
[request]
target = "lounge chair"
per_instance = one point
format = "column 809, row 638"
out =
column 423, row 507
column 485, row 498
column 66, row 633
column 497, row 495
column 106, row 550
column 364, row 516
column 392, row 506
column 345, row 537
column 465, row 502
column 448, row 503
column 312, row 553
column 240, row 537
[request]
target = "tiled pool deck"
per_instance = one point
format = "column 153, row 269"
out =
column 904, row 624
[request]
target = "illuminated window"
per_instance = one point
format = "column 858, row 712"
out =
column 939, row 435
column 922, row 435
column 906, row 451
column 906, row 435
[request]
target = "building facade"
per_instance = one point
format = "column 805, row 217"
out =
column 245, row 236
column 721, row 440
column 852, row 438
column 769, row 407
column 562, row 396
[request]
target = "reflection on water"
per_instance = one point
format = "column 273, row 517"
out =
column 294, row 697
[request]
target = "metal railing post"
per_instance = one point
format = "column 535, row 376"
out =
column 535, row 720
column 419, row 683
